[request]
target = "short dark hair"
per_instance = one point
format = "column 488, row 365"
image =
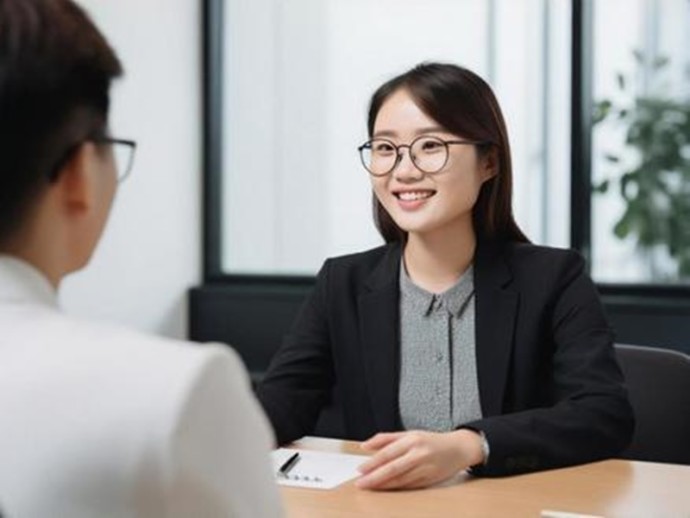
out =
column 55, row 74
column 464, row 104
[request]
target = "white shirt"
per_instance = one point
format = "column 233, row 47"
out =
column 100, row 421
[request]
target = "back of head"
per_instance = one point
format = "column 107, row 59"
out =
column 464, row 104
column 55, row 75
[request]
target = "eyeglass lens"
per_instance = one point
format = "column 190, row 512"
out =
column 122, row 154
column 380, row 156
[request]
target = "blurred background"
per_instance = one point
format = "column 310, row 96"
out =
column 248, row 114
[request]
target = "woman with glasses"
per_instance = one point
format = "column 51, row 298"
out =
column 458, row 344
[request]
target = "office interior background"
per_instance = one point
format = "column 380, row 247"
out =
column 248, row 115
column 150, row 253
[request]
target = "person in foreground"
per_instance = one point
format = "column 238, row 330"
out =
column 458, row 344
column 97, row 421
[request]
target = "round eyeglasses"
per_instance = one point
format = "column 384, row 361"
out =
column 428, row 154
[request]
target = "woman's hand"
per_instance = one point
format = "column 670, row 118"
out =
column 415, row 459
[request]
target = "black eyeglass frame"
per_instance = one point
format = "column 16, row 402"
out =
column 398, row 154
column 131, row 144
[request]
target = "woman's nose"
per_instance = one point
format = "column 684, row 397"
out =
column 405, row 170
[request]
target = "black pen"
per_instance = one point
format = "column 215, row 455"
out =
column 288, row 465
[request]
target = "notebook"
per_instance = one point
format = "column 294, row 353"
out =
column 316, row 469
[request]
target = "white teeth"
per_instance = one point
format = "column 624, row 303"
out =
column 412, row 196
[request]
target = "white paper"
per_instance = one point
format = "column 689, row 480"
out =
column 317, row 469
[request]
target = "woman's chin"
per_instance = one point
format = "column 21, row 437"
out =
column 414, row 227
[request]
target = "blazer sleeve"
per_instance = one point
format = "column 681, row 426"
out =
column 299, row 380
column 220, row 456
column 590, row 417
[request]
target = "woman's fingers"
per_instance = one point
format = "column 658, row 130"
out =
column 387, row 473
column 416, row 459
column 393, row 449
column 380, row 440
column 413, row 479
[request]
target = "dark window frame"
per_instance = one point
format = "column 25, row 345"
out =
column 212, row 202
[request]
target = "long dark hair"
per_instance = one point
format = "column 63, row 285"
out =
column 464, row 104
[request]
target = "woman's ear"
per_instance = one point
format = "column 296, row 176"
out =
column 489, row 164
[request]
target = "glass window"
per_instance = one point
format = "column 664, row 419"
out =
column 641, row 141
column 297, row 79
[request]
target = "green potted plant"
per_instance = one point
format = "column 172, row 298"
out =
column 652, row 170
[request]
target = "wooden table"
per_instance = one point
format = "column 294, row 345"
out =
column 608, row 488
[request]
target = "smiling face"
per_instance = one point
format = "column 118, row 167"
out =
column 427, row 203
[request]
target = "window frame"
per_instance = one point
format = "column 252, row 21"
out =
column 212, row 138
column 581, row 167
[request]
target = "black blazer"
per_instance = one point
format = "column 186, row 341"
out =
column 550, row 388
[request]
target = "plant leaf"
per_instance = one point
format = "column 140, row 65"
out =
column 622, row 228
column 601, row 111
column 660, row 62
column 601, row 187
column 612, row 158
column 639, row 56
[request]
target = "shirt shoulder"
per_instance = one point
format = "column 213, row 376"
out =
column 92, row 383
column 353, row 269
column 71, row 354
column 364, row 258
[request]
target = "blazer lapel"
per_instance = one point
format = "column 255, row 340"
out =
column 496, row 306
column 379, row 315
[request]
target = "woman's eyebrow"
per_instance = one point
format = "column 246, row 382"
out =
column 419, row 131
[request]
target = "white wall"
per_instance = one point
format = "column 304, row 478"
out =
column 151, row 250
